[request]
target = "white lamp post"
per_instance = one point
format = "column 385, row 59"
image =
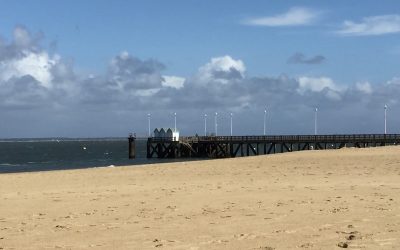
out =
column 315, row 122
column 205, row 124
column 148, row 118
column 231, row 124
column 265, row 120
column 385, row 108
column 175, row 120
column 216, row 124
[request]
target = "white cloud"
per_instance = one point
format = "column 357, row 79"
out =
column 173, row 82
column 294, row 17
column 131, row 73
column 22, row 38
column 37, row 65
column 394, row 80
column 320, row 84
column 146, row 92
column 222, row 69
column 333, row 95
column 371, row 26
column 364, row 87
column 316, row 84
column 124, row 55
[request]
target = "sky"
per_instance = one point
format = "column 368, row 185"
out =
column 98, row 68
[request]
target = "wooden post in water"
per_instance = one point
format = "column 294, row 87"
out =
column 132, row 147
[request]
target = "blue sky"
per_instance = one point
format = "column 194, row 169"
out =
column 357, row 43
column 185, row 34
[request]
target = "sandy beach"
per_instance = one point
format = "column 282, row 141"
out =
column 313, row 200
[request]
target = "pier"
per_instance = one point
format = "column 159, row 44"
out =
column 239, row 146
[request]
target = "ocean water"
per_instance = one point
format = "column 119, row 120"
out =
column 25, row 155
column 54, row 154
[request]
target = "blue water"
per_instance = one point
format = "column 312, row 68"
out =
column 54, row 154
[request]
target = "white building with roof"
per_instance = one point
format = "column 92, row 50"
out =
column 166, row 133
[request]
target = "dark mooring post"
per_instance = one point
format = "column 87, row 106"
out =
column 132, row 147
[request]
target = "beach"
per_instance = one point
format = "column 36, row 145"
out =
column 321, row 199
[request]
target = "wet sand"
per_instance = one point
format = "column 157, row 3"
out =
column 312, row 199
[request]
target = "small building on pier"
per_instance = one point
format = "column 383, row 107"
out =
column 166, row 133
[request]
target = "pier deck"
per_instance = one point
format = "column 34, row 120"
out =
column 234, row 146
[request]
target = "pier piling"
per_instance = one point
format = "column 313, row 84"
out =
column 132, row 147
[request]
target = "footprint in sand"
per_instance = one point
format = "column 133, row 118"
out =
column 61, row 227
column 350, row 237
column 343, row 245
column 244, row 236
column 306, row 245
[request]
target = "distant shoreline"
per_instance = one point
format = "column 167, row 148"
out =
column 67, row 139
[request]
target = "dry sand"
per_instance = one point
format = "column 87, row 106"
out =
column 314, row 200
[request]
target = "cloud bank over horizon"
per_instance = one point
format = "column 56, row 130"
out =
column 43, row 95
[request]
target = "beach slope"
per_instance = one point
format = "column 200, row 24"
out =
column 313, row 200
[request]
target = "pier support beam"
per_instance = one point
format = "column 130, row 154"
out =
column 132, row 147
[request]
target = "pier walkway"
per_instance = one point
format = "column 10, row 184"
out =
column 235, row 146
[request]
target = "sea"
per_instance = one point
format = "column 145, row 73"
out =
column 26, row 155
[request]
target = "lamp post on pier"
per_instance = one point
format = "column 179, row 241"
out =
column 316, row 121
column 149, row 122
column 175, row 120
column 216, row 124
column 205, row 124
column 385, row 108
column 231, row 124
column 265, row 120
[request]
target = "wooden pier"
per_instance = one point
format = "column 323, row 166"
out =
column 235, row 146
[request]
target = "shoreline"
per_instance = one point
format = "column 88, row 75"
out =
column 149, row 163
column 153, row 161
